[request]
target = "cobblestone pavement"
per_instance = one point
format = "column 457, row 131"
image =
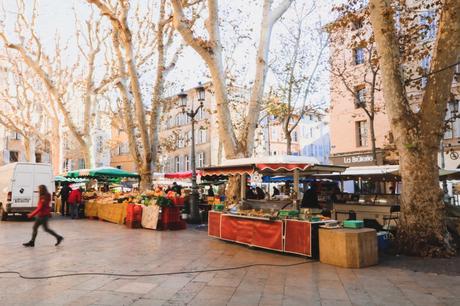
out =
column 104, row 247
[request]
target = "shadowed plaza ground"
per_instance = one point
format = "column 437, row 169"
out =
column 96, row 246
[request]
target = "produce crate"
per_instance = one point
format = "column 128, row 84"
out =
column 288, row 213
column 353, row 224
column 218, row 207
column 171, row 219
column 178, row 201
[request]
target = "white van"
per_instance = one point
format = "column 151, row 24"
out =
column 19, row 187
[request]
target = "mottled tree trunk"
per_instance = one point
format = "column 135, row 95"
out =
column 55, row 144
column 233, row 189
column 422, row 229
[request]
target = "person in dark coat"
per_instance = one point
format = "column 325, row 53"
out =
column 276, row 192
column 64, row 193
column 250, row 194
column 310, row 198
column 176, row 188
column 43, row 212
column 260, row 193
column 210, row 191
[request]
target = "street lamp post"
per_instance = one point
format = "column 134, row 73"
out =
column 194, row 217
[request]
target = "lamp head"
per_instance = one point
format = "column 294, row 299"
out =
column 182, row 99
column 200, row 92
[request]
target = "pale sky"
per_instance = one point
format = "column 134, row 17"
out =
column 58, row 17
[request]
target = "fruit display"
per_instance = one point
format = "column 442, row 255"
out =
column 146, row 198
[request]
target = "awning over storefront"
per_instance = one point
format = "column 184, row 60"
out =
column 381, row 173
column 181, row 175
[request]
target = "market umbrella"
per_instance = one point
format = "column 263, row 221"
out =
column 101, row 172
column 60, row 178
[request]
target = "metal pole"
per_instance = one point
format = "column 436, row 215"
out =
column 194, row 211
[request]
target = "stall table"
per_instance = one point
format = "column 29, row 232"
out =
column 289, row 236
column 363, row 211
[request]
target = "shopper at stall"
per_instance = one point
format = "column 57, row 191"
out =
column 64, row 194
column 260, row 193
column 310, row 198
column 74, row 202
column 176, row 188
column 43, row 212
column 210, row 191
column 276, row 192
column 250, row 194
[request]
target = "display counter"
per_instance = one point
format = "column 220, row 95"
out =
column 115, row 213
column 362, row 211
column 288, row 235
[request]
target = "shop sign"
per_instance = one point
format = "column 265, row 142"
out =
column 358, row 159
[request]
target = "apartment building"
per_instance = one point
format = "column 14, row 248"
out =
column 13, row 149
column 310, row 137
column 314, row 139
column 350, row 86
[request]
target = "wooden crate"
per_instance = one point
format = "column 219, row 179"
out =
column 348, row 248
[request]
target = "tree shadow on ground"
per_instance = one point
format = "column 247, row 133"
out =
column 447, row 266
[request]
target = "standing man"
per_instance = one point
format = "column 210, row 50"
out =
column 74, row 202
column 64, row 193
column 176, row 188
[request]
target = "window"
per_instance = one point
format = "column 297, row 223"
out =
column 14, row 156
column 311, row 132
column 188, row 138
column 15, row 136
column 294, row 136
column 360, row 98
column 38, row 157
column 199, row 115
column 361, row 134
column 201, row 160
column 177, row 163
column 187, row 162
column 124, row 148
column 274, row 134
column 177, row 120
column 454, row 130
column 81, row 163
column 118, row 167
column 202, row 136
column 99, row 144
column 358, row 54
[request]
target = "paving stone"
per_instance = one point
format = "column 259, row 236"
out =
column 92, row 246
column 136, row 287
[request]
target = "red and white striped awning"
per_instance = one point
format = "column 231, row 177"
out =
column 271, row 165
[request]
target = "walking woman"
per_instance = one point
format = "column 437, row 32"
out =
column 43, row 212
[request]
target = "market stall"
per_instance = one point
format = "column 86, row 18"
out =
column 269, row 223
column 375, row 195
